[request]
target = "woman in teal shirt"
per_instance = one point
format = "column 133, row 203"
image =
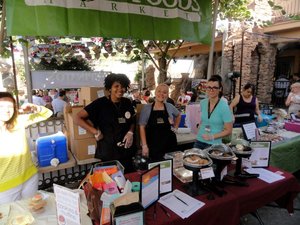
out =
column 216, row 117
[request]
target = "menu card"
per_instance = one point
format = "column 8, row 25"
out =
column 166, row 175
column 67, row 205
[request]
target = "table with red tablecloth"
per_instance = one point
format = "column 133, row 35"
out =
column 238, row 201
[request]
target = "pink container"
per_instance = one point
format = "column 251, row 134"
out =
column 292, row 126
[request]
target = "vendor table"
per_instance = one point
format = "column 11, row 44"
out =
column 48, row 216
column 238, row 201
column 286, row 155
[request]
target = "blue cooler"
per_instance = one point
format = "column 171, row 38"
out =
column 52, row 146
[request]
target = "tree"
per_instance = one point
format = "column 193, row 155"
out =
column 71, row 64
column 162, row 56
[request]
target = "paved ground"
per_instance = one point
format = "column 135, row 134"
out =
column 276, row 216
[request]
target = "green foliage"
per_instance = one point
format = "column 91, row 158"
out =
column 295, row 17
column 276, row 7
column 234, row 9
column 72, row 64
column 21, row 71
column 138, row 76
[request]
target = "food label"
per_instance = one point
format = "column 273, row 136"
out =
column 207, row 173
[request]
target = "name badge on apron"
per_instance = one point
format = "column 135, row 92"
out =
column 121, row 120
column 160, row 120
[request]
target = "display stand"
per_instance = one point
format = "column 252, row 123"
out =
column 194, row 187
column 238, row 168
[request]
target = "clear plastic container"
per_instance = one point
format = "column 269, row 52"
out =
column 177, row 158
column 196, row 158
column 221, row 152
column 107, row 164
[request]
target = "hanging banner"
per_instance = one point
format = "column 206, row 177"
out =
column 189, row 20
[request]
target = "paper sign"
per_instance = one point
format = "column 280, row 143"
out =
column 260, row 156
column 207, row 173
column 81, row 131
column 166, row 175
column 91, row 149
column 67, row 206
column 224, row 172
column 249, row 130
column 130, row 219
column 246, row 163
column 150, row 186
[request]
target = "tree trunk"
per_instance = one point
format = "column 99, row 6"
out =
column 162, row 77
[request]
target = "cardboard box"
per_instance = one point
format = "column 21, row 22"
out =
column 84, row 148
column 67, row 134
column 88, row 94
column 76, row 132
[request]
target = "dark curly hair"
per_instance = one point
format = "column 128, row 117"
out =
column 114, row 77
column 10, row 124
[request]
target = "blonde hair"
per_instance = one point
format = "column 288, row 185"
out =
column 162, row 85
column 297, row 84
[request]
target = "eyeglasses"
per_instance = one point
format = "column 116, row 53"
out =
column 212, row 88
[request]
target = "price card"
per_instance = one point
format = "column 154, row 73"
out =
column 207, row 173
column 224, row 172
column 249, row 130
column 67, row 205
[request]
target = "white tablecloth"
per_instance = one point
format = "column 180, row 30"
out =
column 48, row 216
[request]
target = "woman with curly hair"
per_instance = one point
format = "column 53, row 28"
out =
column 113, row 119
column 18, row 174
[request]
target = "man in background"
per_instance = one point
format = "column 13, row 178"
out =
column 36, row 99
column 58, row 104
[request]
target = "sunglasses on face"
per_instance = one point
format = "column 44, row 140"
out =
column 212, row 88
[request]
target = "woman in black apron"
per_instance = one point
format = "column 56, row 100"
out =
column 113, row 119
column 157, row 126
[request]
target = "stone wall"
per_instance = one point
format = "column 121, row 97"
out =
column 257, row 60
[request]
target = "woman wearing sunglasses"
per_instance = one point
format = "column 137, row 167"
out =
column 216, row 117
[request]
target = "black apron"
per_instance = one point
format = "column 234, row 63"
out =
column 160, row 137
column 116, row 127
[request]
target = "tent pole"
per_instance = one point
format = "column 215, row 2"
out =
column 212, row 46
column 241, row 62
column 143, row 70
column 27, row 73
column 14, row 70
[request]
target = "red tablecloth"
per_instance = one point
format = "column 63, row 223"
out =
column 228, row 209
column 238, row 201
column 260, row 193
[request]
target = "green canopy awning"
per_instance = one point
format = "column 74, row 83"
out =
column 189, row 20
